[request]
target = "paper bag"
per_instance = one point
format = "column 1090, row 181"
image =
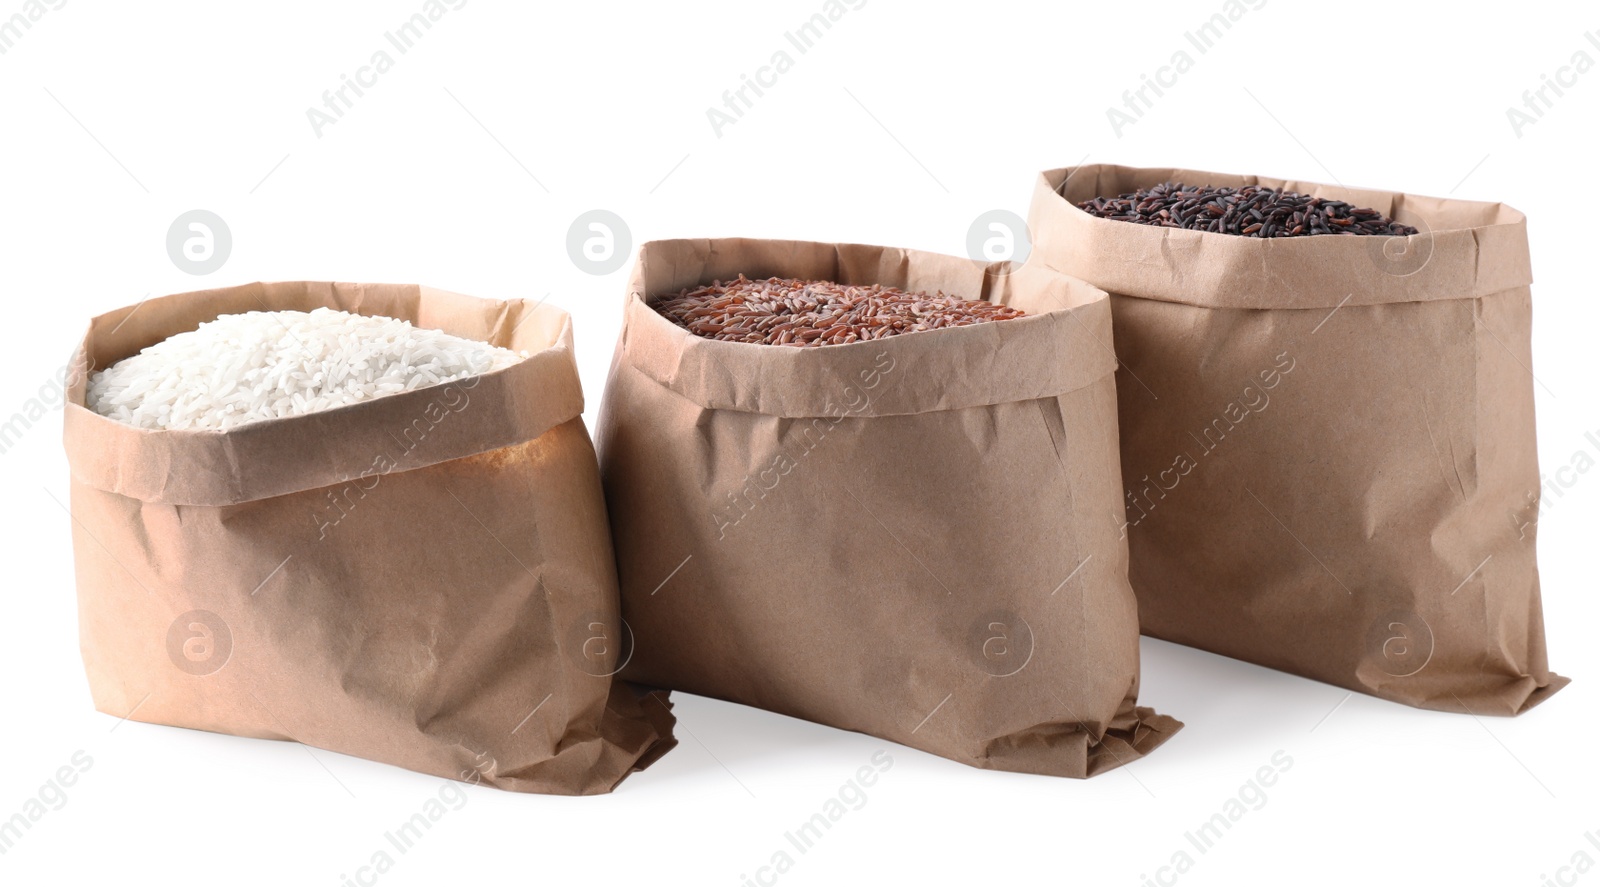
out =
column 425, row 579
column 908, row 537
column 1327, row 441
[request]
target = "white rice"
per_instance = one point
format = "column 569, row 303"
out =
column 271, row 364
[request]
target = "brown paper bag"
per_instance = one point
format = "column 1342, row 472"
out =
column 425, row 579
column 1327, row 441
column 908, row 537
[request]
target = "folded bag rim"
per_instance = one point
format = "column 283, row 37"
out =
column 1062, row 349
column 1466, row 249
column 275, row 457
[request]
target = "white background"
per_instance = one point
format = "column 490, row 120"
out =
column 463, row 168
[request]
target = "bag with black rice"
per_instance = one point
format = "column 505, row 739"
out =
column 1327, row 439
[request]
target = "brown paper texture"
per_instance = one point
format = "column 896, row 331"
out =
column 1328, row 442
column 425, row 579
column 910, row 537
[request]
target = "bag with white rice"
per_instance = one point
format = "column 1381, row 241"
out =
column 363, row 517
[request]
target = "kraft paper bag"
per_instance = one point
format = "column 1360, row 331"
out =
column 1327, row 441
column 907, row 537
column 425, row 579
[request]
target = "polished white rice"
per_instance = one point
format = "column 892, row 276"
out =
column 271, row 364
